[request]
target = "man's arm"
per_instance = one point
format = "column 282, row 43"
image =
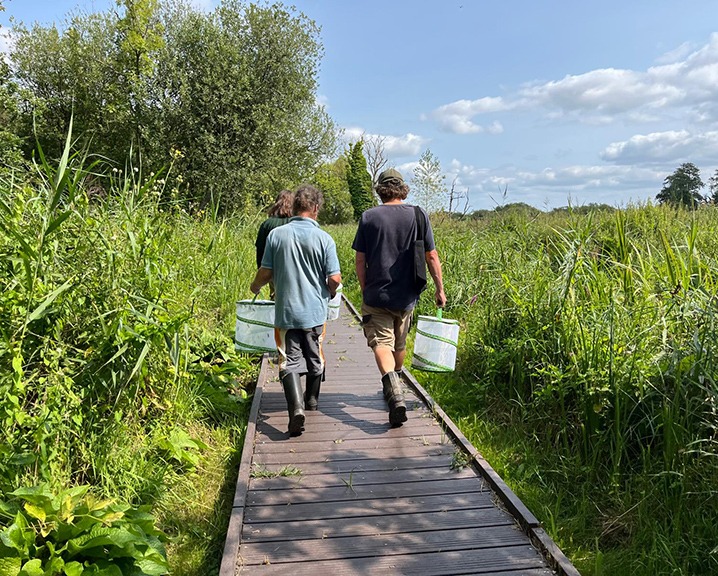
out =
column 333, row 283
column 360, row 264
column 263, row 276
column 434, row 265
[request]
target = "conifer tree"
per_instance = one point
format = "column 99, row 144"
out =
column 359, row 180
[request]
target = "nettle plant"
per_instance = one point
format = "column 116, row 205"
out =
column 73, row 533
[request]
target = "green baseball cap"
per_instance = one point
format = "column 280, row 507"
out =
column 389, row 175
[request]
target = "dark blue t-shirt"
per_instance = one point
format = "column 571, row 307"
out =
column 386, row 236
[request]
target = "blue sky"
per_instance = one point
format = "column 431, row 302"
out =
column 552, row 101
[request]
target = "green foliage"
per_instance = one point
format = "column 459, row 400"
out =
column 10, row 142
column 73, row 533
column 232, row 90
column 182, row 448
column 428, row 186
column 713, row 187
column 237, row 92
column 682, row 188
column 332, row 181
column 358, row 180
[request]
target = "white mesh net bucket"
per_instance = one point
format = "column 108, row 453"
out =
column 335, row 305
column 435, row 344
column 254, row 330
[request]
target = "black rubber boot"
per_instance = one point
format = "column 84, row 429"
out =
column 295, row 403
column 394, row 396
column 311, row 397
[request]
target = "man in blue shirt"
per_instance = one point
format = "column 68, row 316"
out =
column 301, row 259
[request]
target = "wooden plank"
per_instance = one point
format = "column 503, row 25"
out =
column 369, row 507
column 358, row 478
column 302, row 529
column 396, row 444
column 366, row 465
column 293, row 550
column 514, row 561
column 292, row 458
column 315, row 431
column 350, row 492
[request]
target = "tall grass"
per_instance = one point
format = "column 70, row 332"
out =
column 117, row 368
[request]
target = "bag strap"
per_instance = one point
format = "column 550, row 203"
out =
column 420, row 228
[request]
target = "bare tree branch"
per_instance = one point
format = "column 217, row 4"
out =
column 375, row 153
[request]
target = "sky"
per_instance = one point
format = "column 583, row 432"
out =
column 550, row 103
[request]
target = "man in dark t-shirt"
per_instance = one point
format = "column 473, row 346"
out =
column 384, row 245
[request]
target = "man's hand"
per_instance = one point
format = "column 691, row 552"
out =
column 440, row 298
column 263, row 276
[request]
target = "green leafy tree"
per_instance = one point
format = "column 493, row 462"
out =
column 359, row 180
column 682, row 188
column 429, row 183
column 234, row 90
column 713, row 187
column 10, row 142
column 74, row 73
column 332, row 181
column 139, row 38
column 237, row 89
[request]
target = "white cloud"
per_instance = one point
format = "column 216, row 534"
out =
column 686, row 86
column 554, row 187
column 394, row 146
column 677, row 54
column 456, row 116
column 670, row 146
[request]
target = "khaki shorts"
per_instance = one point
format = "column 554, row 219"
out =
column 385, row 328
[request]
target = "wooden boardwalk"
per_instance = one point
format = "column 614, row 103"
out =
column 352, row 495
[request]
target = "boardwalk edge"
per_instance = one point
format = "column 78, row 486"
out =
column 230, row 555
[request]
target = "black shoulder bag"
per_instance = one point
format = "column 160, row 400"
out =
column 419, row 252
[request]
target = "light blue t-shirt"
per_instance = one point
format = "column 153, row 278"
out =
column 301, row 257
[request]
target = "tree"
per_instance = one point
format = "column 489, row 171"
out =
column 10, row 142
column 713, row 187
column 359, row 180
column 71, row 73
column 237, row 90
column 332, row 181
column 682, row 188
column 429, row 184
column 234, row 90
column 376, row 158
column 139, row 37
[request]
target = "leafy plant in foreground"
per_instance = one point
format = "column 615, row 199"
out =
column 75, row 534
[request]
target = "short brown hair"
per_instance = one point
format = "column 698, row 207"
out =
column 306, row 198
column 392, row 190
column 282, row 207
